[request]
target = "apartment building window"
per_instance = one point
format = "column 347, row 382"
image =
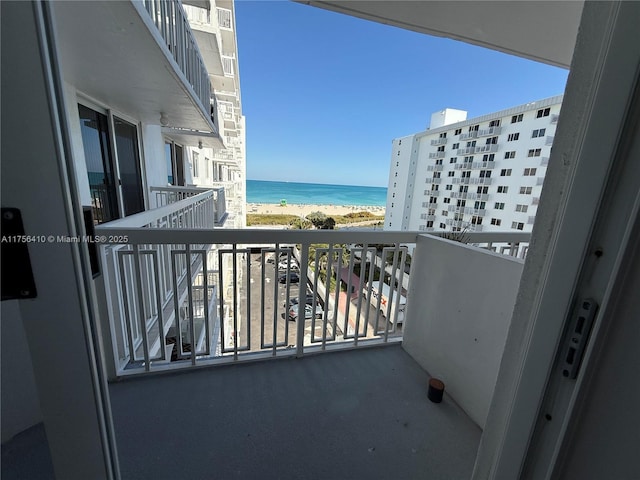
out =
column 472, row 143
column 458, row 217
column 466, row 174
column 441, row 148
column 499, row 206
column 496, row 221
column 447, row 200
column 435, row 187
column 449, row 187
column 542, row 113
column 534, row 152
column 458, row 131
column 510, row 154
column 432, row 211
column 455, row 146
column 516, row 118
column 464, row 189
column 453, row 160
column 480, row 205
column 430, row 224
column 517, row 225
column 393, row 195
column 433, row 199
column 468, row 159
column 445, row 213
column 399, row 142
column 491, row 141
column 442, row 225
column 525, row 190
column 485, row 173
column 392, row 205
column 494, row 123
column 451, row 174
column 522, row 208
column 394, row 184
column 488, row 158
column 476, row 220
column 538, row 133
column 474, row 128
column 483, row 190
column 426, row 192
column 436, row 174
column 396, row 174
column 503, row 189
column 397, row 164
column 439, row 162
column 423, row 216
column 443, row 135
column 529, row 172
column 195, row 167
column 513, row 137
column 461, row 203
column 505, row 172
column 398, row 153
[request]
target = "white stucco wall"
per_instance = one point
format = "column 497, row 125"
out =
column 459, row 311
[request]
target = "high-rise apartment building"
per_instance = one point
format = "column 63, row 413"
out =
column 481, row 174
column 214, row 27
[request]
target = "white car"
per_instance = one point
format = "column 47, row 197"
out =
column 293, row 265
column 308, row 312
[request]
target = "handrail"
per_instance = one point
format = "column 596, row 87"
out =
column 142, row 219
column 138, row 236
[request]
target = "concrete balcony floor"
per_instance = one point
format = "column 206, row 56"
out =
column 359, row 414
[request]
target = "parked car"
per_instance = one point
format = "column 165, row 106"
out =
column 293, row 265
column 308, row 312
column 293, row 278
column 296, row 300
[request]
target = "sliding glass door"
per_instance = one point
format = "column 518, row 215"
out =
column 115, row 177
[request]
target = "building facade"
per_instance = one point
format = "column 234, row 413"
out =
column 213, row 25
column 481, row 174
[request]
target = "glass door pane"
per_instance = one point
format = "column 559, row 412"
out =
column 179, row 165
column 97, row 153
column 129, row 165
column 168, row 154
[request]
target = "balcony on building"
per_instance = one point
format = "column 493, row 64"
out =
column 439, row 141
column 489, row 148
column 485, row 132
column 204, row 23
column 179, row 296
column 468, row 135
column 549, row 140
column 434, row 180
column 436, row 155
column 89, row 32
column 466, row 151
column 434, row 168
column 544, row 161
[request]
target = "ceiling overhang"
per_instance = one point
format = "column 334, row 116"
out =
column 544, row 31
column 109, row 53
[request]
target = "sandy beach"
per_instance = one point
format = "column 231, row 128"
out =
column 304, row 209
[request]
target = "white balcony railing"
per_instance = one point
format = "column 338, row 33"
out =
column 549, row 140
column 434, row 168
column 169, row 195
column 485, row 132
column 179, row 297
column 466, row 151
column 492, row 147
column 173, row 25
column 439, row 141
column 436, row 155
column 224, row 18
column 227, row 65
column 465, row 136
column 544, row 161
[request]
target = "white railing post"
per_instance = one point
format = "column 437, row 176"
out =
column 302, row 293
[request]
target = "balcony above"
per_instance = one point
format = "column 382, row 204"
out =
column 136, row 57
column 485, row 132
column 439, row 141
column 436, row 155
column 434, row 168
column 468, row 135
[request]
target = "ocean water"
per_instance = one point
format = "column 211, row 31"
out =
column 261, row 191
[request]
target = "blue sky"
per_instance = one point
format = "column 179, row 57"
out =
column 324, row 93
